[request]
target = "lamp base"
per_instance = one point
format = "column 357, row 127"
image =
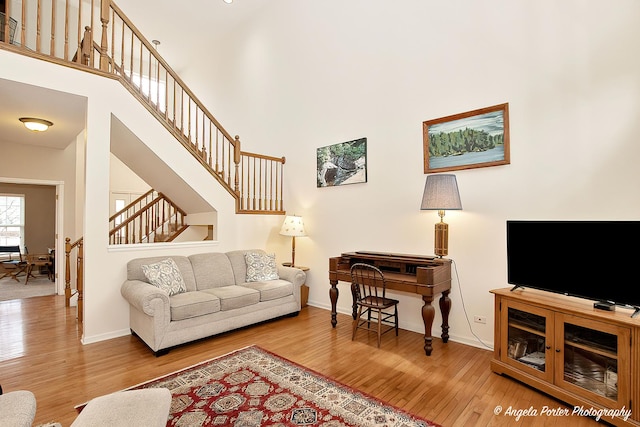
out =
column 441, row 239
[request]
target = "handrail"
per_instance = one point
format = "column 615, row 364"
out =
column 159, row 216
column 79, row 274
column 107, row 42
column 133, row 206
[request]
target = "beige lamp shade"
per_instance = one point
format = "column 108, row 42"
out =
column 293, row 226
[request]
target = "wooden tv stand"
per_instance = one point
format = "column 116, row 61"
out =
column 564, row 347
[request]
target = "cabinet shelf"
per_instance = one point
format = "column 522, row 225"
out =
column 591, row 348
column 522, row 327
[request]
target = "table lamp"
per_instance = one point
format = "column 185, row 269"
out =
column 293, row 226
column 441, row 193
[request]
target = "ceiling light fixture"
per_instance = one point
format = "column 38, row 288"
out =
column 228, row 1
column 36, row 125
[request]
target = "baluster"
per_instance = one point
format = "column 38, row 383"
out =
column 67, row 272
column 52, row 47
column 80, row 280
column 38, row 26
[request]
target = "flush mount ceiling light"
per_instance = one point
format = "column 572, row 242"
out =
column 36, row 125
column 228, row 1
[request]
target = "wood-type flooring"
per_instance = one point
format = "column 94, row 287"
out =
column 40, row 350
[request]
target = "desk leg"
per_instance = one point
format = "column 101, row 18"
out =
column 333, row 295
column 445, row 308
column 428, row 314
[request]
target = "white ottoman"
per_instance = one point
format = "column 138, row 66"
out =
column 146, row 407
column 17, row 408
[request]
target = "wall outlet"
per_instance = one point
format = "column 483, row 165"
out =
column 480, row 319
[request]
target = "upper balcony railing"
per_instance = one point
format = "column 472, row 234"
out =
column 96, row 36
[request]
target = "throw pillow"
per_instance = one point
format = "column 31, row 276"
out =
column 261, row 267
column 166, row 276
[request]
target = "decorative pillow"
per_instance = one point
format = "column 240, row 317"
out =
column 166, row 276
column 261, row 267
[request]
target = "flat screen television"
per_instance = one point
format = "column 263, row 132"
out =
column 596, row 260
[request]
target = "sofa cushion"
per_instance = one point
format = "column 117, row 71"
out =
column 260, row 267
column 235, row 296
column 271, row 289
column 212, row 270
column 165, row 275
column 239, row 264
column 134, row 269
column 193, row 304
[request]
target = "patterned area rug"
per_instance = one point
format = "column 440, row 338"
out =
column 253, row 387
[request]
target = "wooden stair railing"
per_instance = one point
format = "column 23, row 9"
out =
column 79, row 264
column 99, row 38
column 158, row 216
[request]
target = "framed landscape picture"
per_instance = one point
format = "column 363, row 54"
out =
column 343, row 163
column 474, row 139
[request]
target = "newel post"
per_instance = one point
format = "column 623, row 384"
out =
column 80, row 280
column 236, row 160
column 67, row 272
column 104, row 18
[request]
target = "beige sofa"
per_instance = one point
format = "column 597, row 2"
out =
column 220, row 292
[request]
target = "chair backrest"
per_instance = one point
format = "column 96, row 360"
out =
column 7, row 252
column 367, row 280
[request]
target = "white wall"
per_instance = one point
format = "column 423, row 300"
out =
column 306, row 74
column 124, row 180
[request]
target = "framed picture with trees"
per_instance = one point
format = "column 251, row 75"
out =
column 474, row 139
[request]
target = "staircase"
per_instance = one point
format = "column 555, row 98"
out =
column 150, row 218
column 96, row 36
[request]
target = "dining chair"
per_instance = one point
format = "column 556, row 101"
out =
column 369, row 289
column 11, row 262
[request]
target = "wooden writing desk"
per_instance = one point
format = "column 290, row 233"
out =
column 424, row 275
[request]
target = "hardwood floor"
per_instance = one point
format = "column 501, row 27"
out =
column 40, row 351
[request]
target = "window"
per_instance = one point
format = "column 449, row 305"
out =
column 12, row 219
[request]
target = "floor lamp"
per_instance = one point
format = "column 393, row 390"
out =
column 441, row 193
column 293, row 226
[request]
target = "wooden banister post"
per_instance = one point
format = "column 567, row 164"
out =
column 85, row 46
column 236, row 160
column 104, row 19
column 67, row 273
column 80, row 280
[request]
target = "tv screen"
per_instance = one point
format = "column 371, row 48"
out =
column 589, row 259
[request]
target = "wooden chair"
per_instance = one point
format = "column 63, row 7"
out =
column 11, row 262
column 369, row 290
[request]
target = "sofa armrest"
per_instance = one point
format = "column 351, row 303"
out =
column 292, row 274
column 141, row 295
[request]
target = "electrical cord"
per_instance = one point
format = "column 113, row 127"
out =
column 464, row 309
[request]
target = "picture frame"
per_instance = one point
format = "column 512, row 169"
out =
column 474, row 139
column 342, row 164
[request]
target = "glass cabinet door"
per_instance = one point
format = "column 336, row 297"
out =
column 593, row 359
column 526, row 340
